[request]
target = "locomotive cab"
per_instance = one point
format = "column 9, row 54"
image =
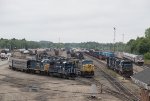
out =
column 69, row 69
column 86, row 68
column 126, row 68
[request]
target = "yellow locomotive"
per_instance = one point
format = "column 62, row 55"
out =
column 86, row 68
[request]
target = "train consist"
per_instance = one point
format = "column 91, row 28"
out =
column 79, row 55
column 100, row 55
column 85, row 67
column 56, row 65
column 137, row 59
column 120, row 65
column 76, row 54
column 76, row 65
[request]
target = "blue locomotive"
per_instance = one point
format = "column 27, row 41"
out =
column 122, row 66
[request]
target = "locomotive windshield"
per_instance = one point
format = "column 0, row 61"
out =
column 87, row 62
column 127, row 64
column 69, row 65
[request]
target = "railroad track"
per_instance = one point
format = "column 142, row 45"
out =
column 107, row 89
column 125, row 93
column 144, row 67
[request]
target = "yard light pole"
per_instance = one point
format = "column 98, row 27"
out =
column 114, row 37
column 123, row 42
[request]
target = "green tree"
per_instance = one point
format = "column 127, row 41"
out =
column 147, row 33
column 143, row 46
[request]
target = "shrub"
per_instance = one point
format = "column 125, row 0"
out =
column 147, row 55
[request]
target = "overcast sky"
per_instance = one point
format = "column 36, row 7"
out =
column 74, row 20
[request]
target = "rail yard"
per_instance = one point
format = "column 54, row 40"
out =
column 26, row 80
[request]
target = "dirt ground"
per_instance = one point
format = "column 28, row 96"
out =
column 20, row 86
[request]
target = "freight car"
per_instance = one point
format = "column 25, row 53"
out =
column 90, row 52
column 122, row 66
column 137, row 59
column 96, row 54
column 108, row 54
column 86, row 68
column 56, row 51
column 79, row 55
column 21, row 64
column 72, row 53
column 99, row 54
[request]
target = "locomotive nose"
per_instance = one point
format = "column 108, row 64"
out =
column 89, row 65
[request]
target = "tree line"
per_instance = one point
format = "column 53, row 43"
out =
column 141, row 45
column 16, row 43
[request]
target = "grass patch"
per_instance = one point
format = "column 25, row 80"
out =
column 147, row 62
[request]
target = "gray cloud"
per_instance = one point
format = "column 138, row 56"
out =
column 74, row 20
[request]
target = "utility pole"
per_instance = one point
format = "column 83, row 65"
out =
column 59, row 43
column 114, row 37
